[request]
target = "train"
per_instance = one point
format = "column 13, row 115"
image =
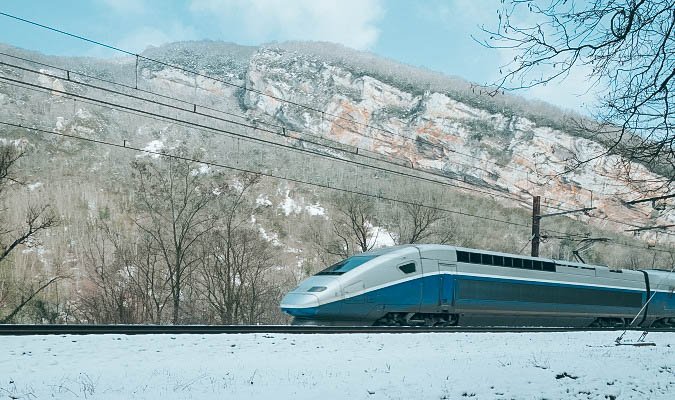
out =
column 442, row 285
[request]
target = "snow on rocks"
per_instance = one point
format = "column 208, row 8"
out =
column 153, row 148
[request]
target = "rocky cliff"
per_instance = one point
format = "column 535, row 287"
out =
column 504, row 148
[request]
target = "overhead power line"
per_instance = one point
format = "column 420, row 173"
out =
column 70, row 75
column 263, row 173
column 123, row 108
column 192, row 108
column 195, row 111
column 323, row 113
column 231, row 84
column 652, row 199
column 304, row 182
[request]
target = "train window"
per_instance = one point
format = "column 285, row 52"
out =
column 498, row 261
column 462, row 256
column 536, row 264
column 527, row 264
column 508, row 262
column 475, row 258
column 486, row 259
column 517, row 263
column 346, row 265
column 407, row 268
column 537, row 293
column 549, row 266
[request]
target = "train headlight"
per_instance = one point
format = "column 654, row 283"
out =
column 314, row 289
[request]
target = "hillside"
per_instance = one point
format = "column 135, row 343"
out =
column 312, row 117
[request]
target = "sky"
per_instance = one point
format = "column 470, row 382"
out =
column 434, row 34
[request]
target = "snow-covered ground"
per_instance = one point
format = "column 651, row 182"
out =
column 376, row 366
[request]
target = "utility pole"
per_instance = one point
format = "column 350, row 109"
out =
column 536, row 219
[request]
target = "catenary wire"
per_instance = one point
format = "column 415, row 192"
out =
column 323, row 113
column 262, row 173
column 128, row 109
column 187, row 70
column 298, row 181
column 242, row 87
column 281, row 129
column 238, row 86
column 252, row 138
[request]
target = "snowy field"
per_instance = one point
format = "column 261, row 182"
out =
column 384, row 366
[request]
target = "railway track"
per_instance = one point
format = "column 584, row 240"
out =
column 15, row 330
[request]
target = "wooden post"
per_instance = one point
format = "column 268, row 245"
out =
column 536, row 218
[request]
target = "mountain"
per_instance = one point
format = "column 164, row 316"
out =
column 317, row 113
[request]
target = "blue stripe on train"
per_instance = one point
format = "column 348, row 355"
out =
column 429, row 293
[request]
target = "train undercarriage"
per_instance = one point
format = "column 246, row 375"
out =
column 448, row 319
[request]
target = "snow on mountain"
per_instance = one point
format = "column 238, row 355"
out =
column 409, row 115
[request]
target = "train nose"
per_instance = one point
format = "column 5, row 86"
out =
column 302, row 300
column 300, row 304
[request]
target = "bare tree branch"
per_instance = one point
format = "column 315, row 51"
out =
column 628, row 47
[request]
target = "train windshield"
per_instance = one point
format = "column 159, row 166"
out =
column 346, row 265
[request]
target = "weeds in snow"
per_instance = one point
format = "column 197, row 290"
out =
column 539, row 362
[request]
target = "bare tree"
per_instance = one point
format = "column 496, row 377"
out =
column 628, row 47
column 235, row 260
column 106, row 296
column 37, row 219
column 354, row 225
column 173, row 201
column 413, row 223
column 148, row 276
column 126, row 279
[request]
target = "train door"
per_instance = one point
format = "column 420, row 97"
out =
column 430, row 286
column 446, row 276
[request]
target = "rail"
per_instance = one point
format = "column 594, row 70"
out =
column 14, row 330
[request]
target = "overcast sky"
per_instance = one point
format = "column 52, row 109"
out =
column 435, row 34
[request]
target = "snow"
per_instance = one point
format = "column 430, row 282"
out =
column 580, row 365
column 154, row 146
column 263, row 200
column 33, row 186
column 202, row 170
column 381, row 236
column 289, row 206
column 60, row 123
column 271, row 237
column 315, row 209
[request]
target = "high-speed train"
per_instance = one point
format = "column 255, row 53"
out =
column 438, row 285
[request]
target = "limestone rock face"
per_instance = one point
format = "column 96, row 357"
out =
column 411, row 116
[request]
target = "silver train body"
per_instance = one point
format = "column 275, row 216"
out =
column 438, row 285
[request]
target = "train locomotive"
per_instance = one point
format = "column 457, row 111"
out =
column 439, row 285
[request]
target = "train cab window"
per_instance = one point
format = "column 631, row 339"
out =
column 346, row 265
column 475, row 258
column 498, row 261
column 536, row 264
column 508, row 262
column 527, row 264
column 407, row 268
column 517, row 263
column 486, row 259
column 463, row 256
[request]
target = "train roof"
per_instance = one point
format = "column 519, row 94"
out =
column 428, row 248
